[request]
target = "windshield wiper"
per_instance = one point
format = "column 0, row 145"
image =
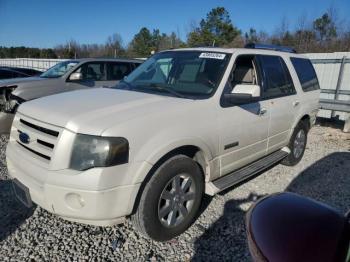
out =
column 166, row 88
column 157, row 86
column 130, row 86
column 49, row 76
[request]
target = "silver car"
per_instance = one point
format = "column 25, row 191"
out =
column 63, row 77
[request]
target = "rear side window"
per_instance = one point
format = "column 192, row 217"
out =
column 117, row 71
column 277, row 79
column 306, row 74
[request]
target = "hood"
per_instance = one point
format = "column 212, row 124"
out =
column 95, row 110
column 33, row 87
column 16, row 81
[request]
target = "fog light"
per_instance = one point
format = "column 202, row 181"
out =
column 74, row 201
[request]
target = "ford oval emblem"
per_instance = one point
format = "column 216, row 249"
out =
column 24, row 138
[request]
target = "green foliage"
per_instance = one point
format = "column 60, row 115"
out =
column 251, row 36
column 216, row 29
column 21, row 51
column 143, row 42
column 325, row 27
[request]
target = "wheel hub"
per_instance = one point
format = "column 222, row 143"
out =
column 176, row 200
column 299, row 143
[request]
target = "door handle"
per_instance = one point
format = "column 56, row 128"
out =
column 262, row 111
column 296, row 103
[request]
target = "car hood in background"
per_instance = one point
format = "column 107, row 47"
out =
column 33, row 87
column 15, row 81
column 95, row 110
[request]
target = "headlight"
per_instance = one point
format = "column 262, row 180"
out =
column 96, row 151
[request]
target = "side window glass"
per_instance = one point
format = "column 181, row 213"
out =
column 278, row 81
column 136, row 65
column 93, row 71
column 117, row 71
column 306, row 74
column 18, row 74
column 244, row 72
column 4, row 74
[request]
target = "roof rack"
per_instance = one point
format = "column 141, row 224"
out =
column 271, row 47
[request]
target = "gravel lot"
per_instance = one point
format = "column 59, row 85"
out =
column 218, row 234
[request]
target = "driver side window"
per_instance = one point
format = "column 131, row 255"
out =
column 95, row 71
column 244, row 72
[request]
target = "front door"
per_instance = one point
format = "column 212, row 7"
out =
column 94, row 75
column 116, row 71
column 244, row 128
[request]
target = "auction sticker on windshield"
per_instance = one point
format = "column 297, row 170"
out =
column 212, row 56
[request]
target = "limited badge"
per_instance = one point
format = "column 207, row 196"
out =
column 212, row 56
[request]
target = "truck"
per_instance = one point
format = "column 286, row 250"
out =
column 185, row 123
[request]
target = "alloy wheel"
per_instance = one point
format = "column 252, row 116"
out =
column 176, row 200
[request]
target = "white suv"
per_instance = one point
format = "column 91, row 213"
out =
column 184, row 123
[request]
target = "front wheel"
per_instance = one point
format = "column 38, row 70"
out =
column 297, row 145
column 170, row 200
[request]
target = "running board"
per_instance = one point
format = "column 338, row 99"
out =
column 242, row 174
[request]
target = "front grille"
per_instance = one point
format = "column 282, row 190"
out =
column 41, row 138
column 45, row 143
column 39, row 128
column 35, row 152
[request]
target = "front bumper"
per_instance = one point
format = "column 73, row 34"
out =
column 96, row 207
column 6, row 120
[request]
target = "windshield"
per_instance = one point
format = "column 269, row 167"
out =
column 188, row 74
column 59, row 69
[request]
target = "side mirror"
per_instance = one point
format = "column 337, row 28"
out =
column 287, row 225
column 243, row 94
column 76, row 76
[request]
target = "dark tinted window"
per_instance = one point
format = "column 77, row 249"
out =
column 136, row 65
column 278, row 81
column 117, row 71
column 306, row 74
column 18, row 74
column 5, row 74
column 94, row 71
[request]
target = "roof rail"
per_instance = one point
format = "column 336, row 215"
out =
column 271, row 47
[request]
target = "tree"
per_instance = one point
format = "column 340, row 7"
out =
column 114, row 46
column 251, row 36
column 142, row 43
column 325, row 28
column 168, row 42
column 217, row 29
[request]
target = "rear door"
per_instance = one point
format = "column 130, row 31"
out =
column 281, row 97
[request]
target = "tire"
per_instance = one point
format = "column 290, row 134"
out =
column 160, row 195
column 297, row 145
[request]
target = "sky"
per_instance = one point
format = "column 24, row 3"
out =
column 47, row 23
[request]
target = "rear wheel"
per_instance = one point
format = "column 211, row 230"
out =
column 170, row 200
column 297, row 145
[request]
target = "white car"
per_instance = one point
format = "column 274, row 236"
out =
column 184, row 123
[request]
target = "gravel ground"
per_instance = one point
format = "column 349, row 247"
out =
column 218, row 234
